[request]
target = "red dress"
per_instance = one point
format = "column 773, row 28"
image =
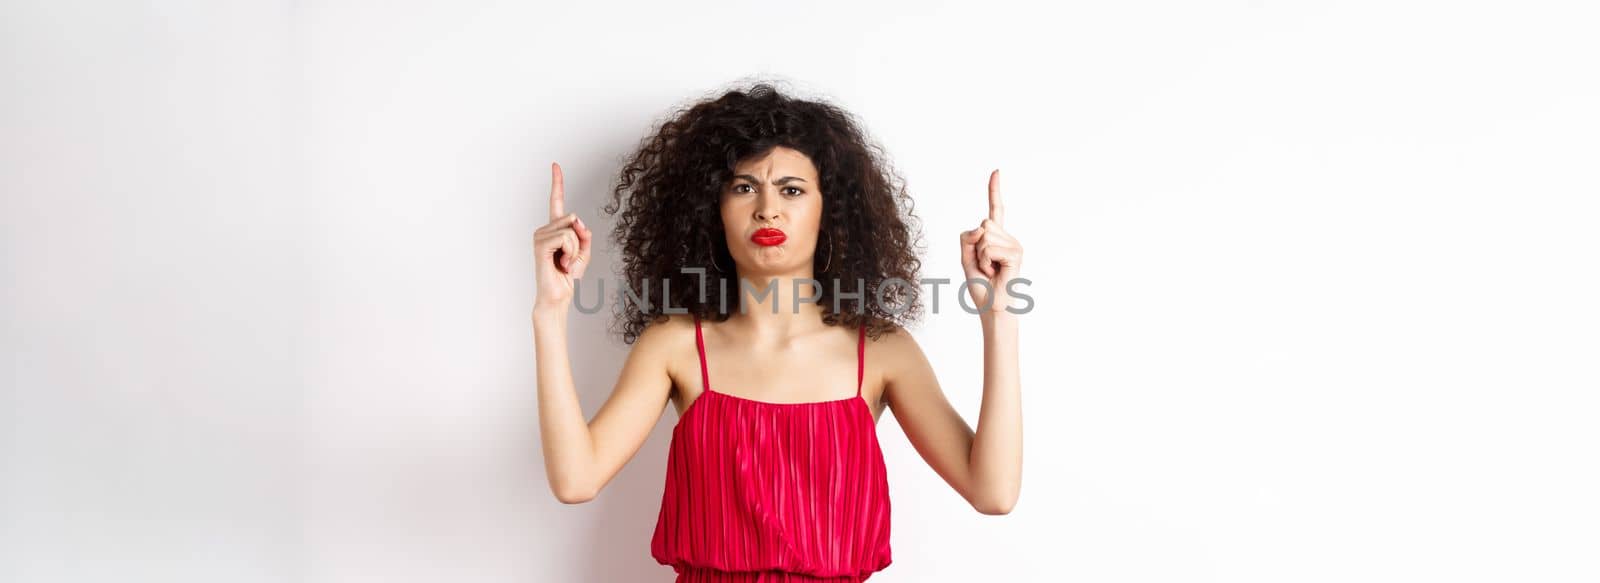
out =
column 768, row 492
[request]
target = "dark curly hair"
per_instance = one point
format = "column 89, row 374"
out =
column 669, row 197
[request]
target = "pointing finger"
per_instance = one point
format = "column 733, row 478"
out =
column 558, row 195
column 997, row 211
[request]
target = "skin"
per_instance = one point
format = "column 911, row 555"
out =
column 771, row 357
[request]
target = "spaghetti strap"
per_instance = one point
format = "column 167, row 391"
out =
column 700, row 346
column 861, row 357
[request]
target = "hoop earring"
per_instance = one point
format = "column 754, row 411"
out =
column 829, row 263
column 714, row 258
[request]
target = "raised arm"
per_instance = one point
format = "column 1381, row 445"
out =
column 581, row 457
column 985, row 466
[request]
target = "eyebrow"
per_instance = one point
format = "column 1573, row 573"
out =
column 778, row 182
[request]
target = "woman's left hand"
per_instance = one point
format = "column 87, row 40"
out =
column 991, row 254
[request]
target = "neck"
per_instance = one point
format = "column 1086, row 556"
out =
column 773, row 303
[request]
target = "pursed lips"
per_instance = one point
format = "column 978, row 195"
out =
column 768, row 236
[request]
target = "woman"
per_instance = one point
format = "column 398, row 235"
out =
column 774, row 470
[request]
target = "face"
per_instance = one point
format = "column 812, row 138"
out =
column 778, row 190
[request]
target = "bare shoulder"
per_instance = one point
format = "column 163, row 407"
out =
column 896, row 346
column 666, row 345
column 899, row 359
column 664, row 337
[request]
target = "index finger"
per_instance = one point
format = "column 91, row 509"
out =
column 997, row 211
column 558, row 195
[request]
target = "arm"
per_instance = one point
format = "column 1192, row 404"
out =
column 984, row 467
column 997, row 449
column 581, row 457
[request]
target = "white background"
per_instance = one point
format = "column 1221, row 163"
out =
column 1315, row 283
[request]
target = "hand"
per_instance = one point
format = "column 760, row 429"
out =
column 560, row 249
column 989, row 253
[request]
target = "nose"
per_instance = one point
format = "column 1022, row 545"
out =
column 766, row 208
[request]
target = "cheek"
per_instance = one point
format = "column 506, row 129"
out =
column 814, row 212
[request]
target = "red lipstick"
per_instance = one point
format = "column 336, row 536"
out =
column 768, row 237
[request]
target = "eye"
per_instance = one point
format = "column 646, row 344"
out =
column 797, row 191
column 737, row 187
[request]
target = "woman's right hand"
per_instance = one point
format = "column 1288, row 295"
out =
column 560, row 250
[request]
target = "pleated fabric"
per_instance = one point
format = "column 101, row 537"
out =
column 760, row 492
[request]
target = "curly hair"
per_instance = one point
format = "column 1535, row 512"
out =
column 669, row 197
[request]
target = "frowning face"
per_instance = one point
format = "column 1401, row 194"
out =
column 772, row 212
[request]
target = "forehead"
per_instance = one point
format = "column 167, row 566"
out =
column 780, row 161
